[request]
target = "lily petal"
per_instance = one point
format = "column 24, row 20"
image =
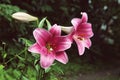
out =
column 46, row 60
column 62, row 57
column 61, row 43
column 84, row 17
column 35, row 48
column 76, row 22
column 55, row 30
column 80, row 45
column 41, row 36
column 85, row 30
column 87, row 43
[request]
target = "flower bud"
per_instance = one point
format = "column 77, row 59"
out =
column 22, row 16
column 66, row 29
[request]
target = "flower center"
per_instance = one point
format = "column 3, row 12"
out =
column 80, row 38
column 49, row 47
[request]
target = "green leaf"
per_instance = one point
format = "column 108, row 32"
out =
column 22, row 59
column 36, row 62
column 1, row 67
column 5, row 55
column 8, row 77
column 48, row 24
column 7, row 10
column 36, row 56
column 26, row 41
column 24, row 78
column 47, row 70
column 16, row 73
column 41, row 24
column 37, row 67
column 53, row 77
column 57, row 69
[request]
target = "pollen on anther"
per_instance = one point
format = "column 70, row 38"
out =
column 50, row 49
column 80, row 38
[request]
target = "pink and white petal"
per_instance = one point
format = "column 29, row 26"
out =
column 87, row 43
column 84, row 17
column 70, row 37
column 85, row 30
column 41, row 36
column 62, row 57
column 46, row 61
column 55, row 30
column 35, row 48
column 43, row 51
column 61, row 43
column 81, row 46
column 76, row 22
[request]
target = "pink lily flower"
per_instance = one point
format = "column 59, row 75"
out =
column 82, row 32
column 50, row 45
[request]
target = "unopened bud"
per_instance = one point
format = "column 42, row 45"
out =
column 22, row 16
column 66, row 29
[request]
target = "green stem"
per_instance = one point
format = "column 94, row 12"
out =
column 16, row 55
column 40, row 74
column 4, row 52
column 37, row 22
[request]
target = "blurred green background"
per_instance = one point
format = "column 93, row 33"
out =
column 103, row 54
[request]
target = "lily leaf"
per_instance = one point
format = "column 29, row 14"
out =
column 48, row 24
column 26, row 41
column 41, row 24
column 1, row 67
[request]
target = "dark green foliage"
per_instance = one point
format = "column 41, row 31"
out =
column 6, row 23
column 7, row 10
column 15, row 60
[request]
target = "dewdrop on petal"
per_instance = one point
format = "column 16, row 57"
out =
column 22, row 16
